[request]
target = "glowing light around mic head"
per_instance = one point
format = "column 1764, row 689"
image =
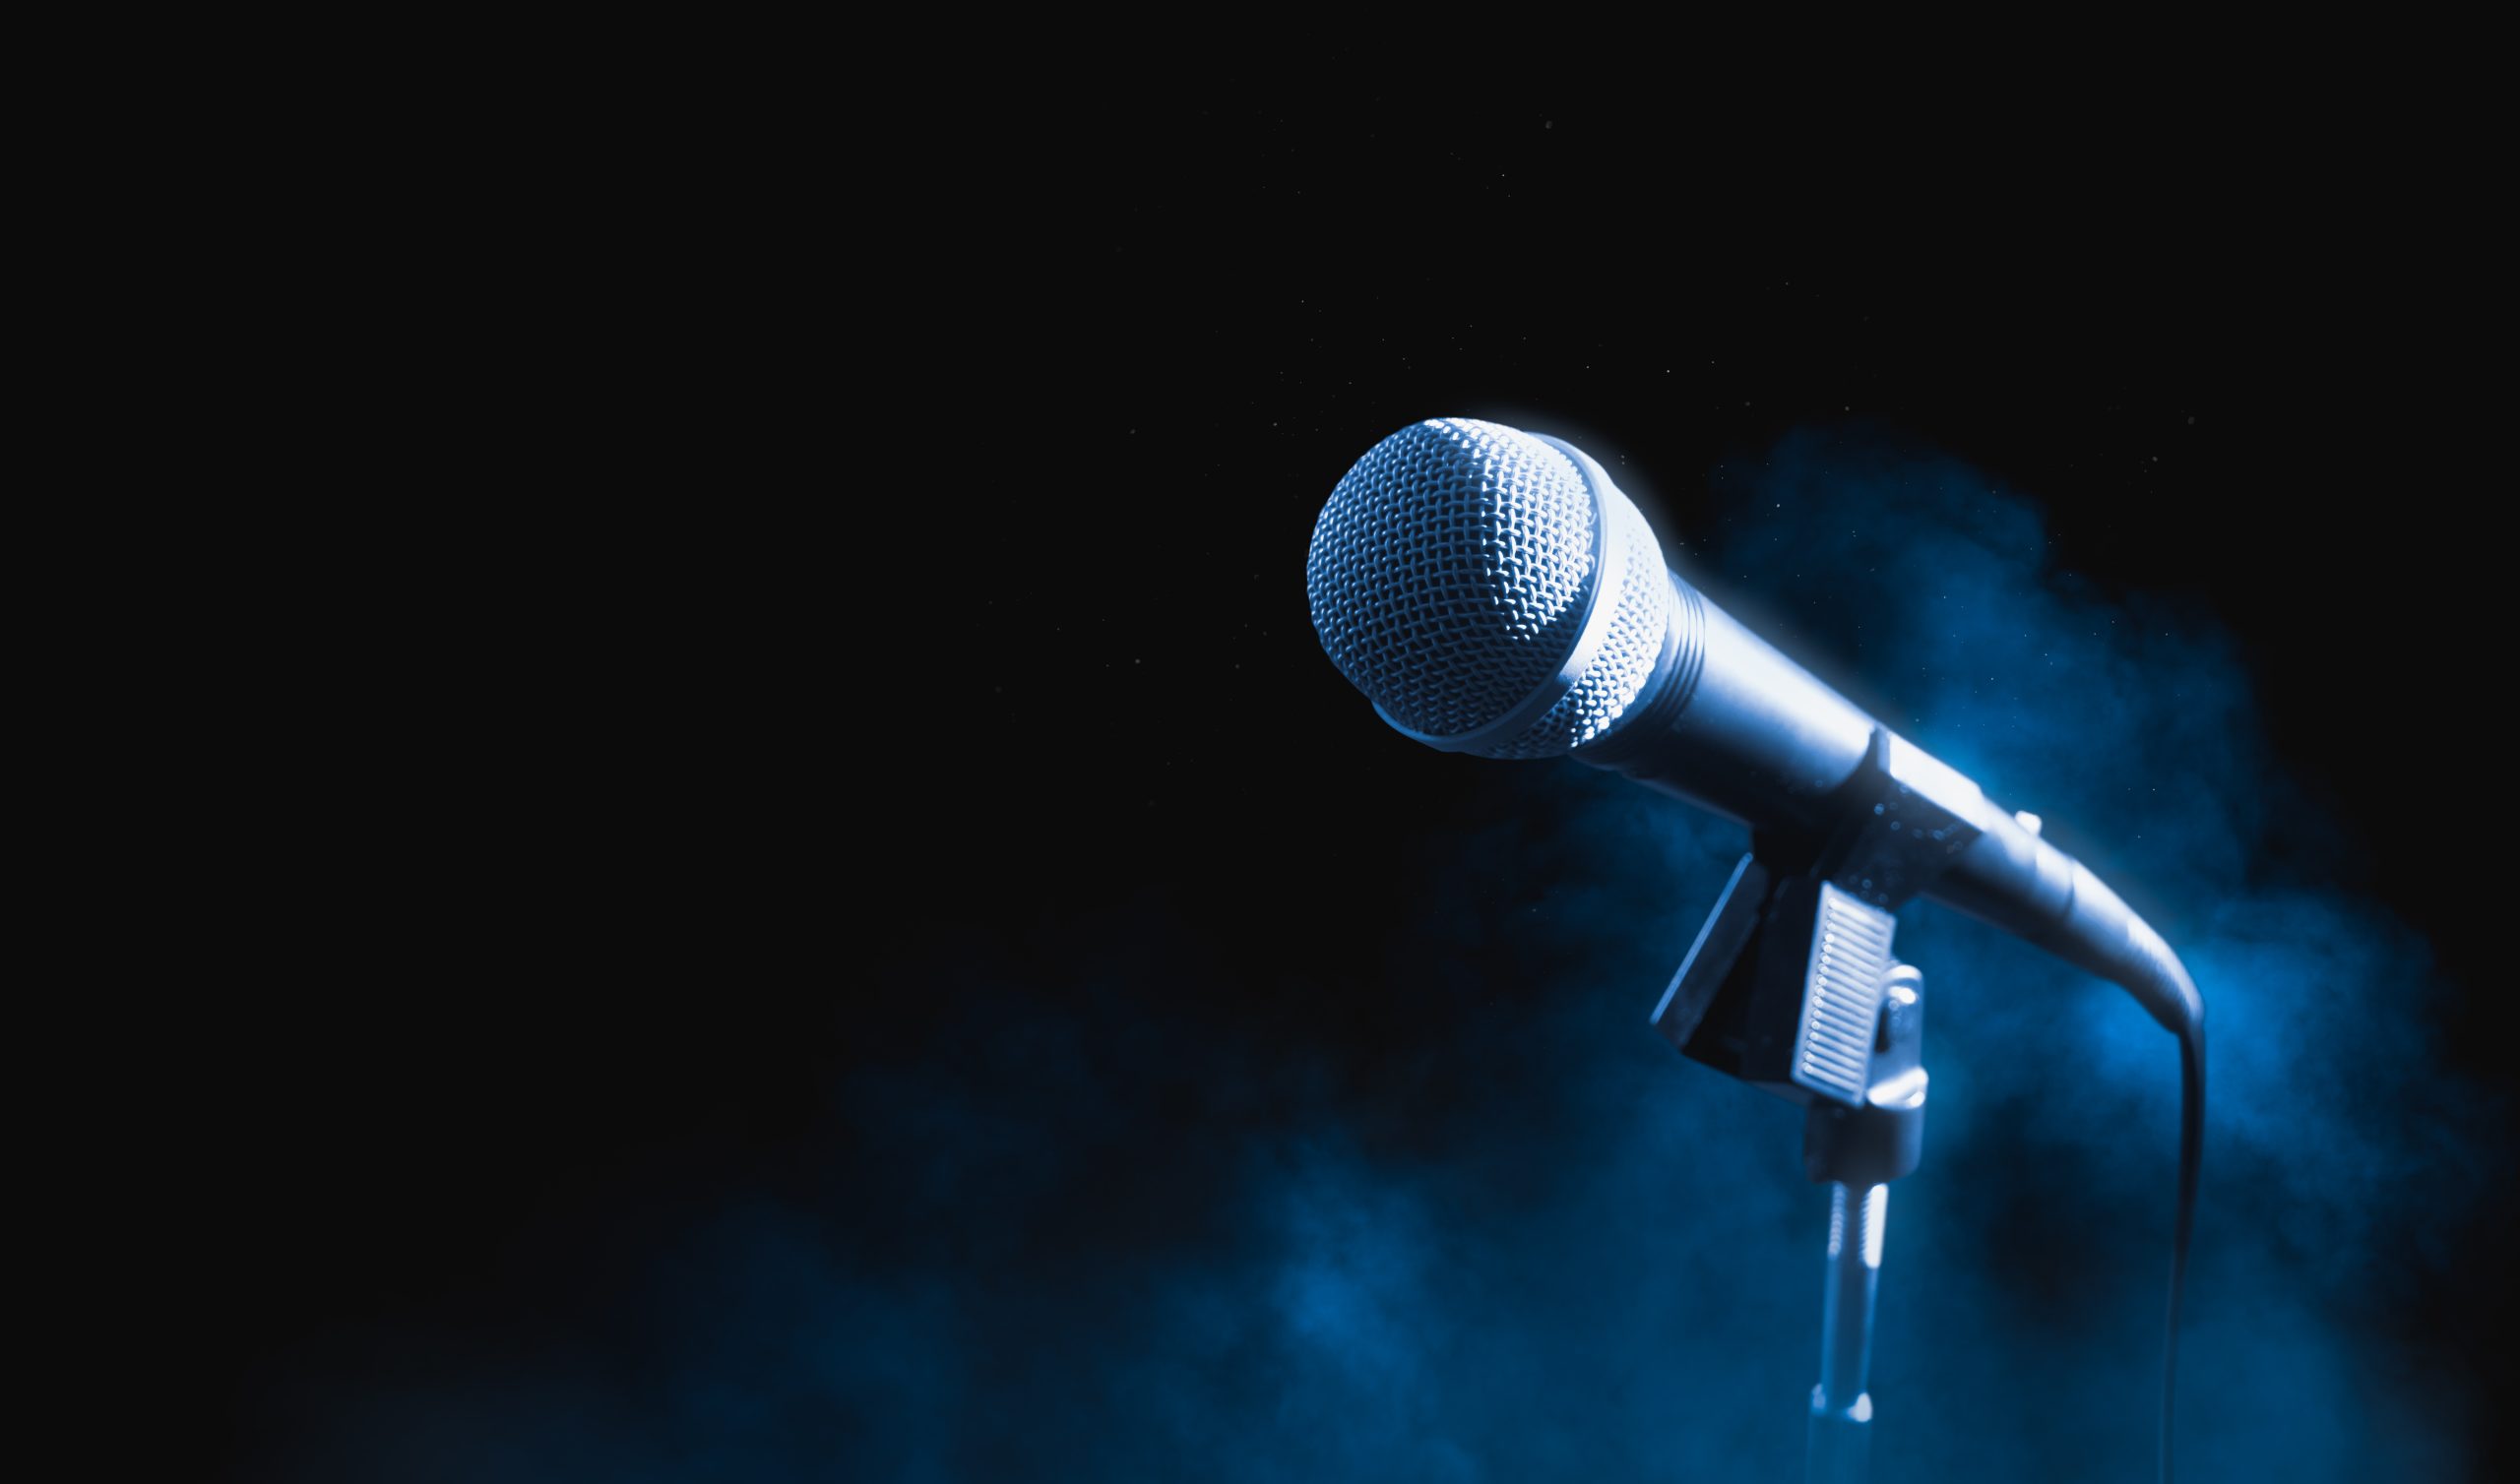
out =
column 1491, row 591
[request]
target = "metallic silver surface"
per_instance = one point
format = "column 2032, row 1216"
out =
column 1491, row 591
column 1761, row 739
column 1840, row 1442
column 1842, row 996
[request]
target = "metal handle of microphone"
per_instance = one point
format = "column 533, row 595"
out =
column 1729, row 724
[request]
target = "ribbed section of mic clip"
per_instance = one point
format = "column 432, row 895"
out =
column 1491, row 591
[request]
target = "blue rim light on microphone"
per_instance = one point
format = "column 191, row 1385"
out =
column 1491, row 590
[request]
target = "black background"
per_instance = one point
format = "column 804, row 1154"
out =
column 903, row 566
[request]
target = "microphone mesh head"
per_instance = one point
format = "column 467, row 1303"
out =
column 1450, row 575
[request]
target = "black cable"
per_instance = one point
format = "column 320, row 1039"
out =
column 2192, row 1152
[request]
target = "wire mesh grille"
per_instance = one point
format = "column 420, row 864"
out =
column 1448, row 576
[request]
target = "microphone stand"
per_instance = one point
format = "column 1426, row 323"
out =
column 1859, row 1152
column 1790, row 987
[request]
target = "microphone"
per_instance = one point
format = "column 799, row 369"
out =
column 1493, row 592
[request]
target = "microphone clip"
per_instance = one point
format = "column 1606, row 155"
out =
column 1791, row 985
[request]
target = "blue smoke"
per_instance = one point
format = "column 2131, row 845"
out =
column 1082, row 1235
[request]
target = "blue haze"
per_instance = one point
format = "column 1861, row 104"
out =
column 1541, row 1246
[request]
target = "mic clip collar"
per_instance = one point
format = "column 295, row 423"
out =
column 1791, row 985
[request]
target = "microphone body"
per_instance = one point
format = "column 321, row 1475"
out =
column 1738, row 728
column 1448, row 525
